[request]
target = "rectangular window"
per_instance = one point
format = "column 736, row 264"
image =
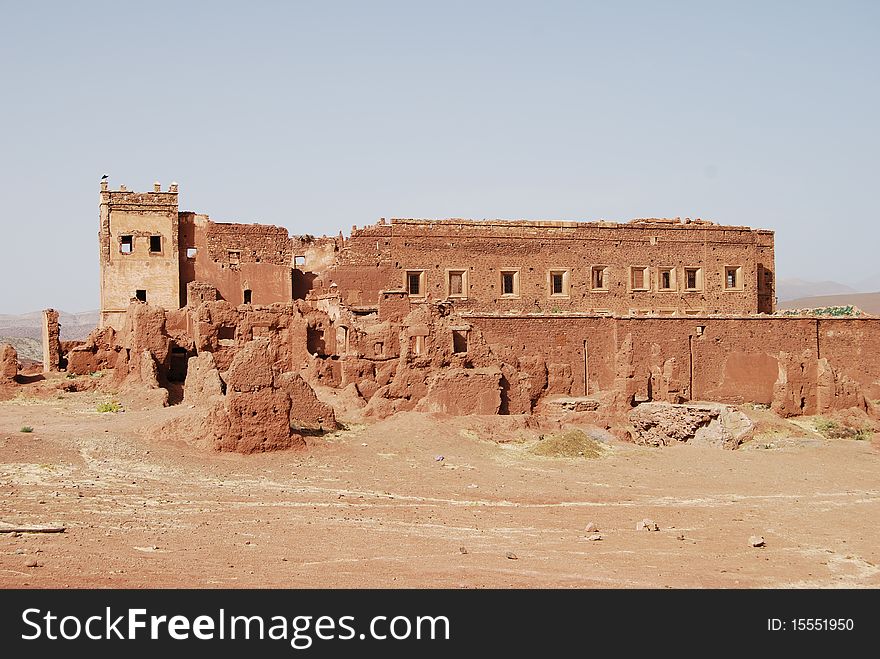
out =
column 457, row 283
column 415, row 282
column 155, row 244
column 639, row 278
column 378, row 349
column 191, row 252
column 693, row 279
column 510, row 283
column 459, row 341
column 666, row 279
column 247, row 296
column 599, row 278
column 141, row 294
column 733, row 278
column 299, row 262
column 416, row 345
column 234, row 257
column 126, row 244
column 559, row 283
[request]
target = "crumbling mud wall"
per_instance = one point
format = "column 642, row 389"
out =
column 9, row 365
column 797, row 365
column 51, row 333
column 245, row 263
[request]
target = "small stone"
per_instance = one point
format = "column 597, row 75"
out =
column 33, row 563
column 756, row 541
column 591, row 527
column 512, row 556
column 594, row 537
column 439, row 458
column 680, row 536
column 647, row 525
column 463, row 550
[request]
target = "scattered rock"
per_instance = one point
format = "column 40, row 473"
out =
column 33, row 563
column 757, row 541
column 591, row 527
column 680, row 536
column 439, row 458
column 594, row 537
column 647, row 525
column 512, row 556
column 463, row 550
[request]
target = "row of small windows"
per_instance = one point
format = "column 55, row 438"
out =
column 558, row 281
column 126, row 244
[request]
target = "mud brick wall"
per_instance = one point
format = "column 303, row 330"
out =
column 733, row 360
column 851, row 345
column 51, row 330
column 236, row 257
column 378, row 257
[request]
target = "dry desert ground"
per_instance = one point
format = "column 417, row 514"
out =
column 423, row 501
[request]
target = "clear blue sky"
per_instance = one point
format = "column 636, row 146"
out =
column 320, row 115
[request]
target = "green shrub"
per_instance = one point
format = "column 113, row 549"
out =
column 110, row 407
column 27, row 429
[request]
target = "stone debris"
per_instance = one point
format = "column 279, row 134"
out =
column 705, row 424
column 591, row 527
column 594, row 536
column 647, row 525
column 512, row 556
column 756, row 541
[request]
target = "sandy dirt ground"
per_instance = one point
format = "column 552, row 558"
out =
column 373, row 506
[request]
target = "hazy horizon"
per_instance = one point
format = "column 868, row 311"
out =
column 320, row 117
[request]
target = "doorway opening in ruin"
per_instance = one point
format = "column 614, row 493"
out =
column 459, row 341
column 315, row 342
column 247, row 296
column 177, row 365
column 141, row 294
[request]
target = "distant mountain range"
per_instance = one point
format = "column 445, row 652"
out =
column 74, row 326
column 867, row 302
column 793, row 289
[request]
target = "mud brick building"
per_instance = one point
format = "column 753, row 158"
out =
column 469, row 317
column 150, row 251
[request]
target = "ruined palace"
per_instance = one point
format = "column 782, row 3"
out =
column 453, row 316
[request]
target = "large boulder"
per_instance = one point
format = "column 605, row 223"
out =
column 706, row 424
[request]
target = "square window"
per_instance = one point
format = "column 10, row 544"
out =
column 415, row 282
column 234, row 257
column 559, row 283
column 733, row 278
column 155, row 244
column 666, row 279
column 299, row 262
column 191, row 252
column 457, row 283
column 141, row 294
column 693, row 279
column 638, row 278
column 510, row 283
column 599, row 278
column 126, row 244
